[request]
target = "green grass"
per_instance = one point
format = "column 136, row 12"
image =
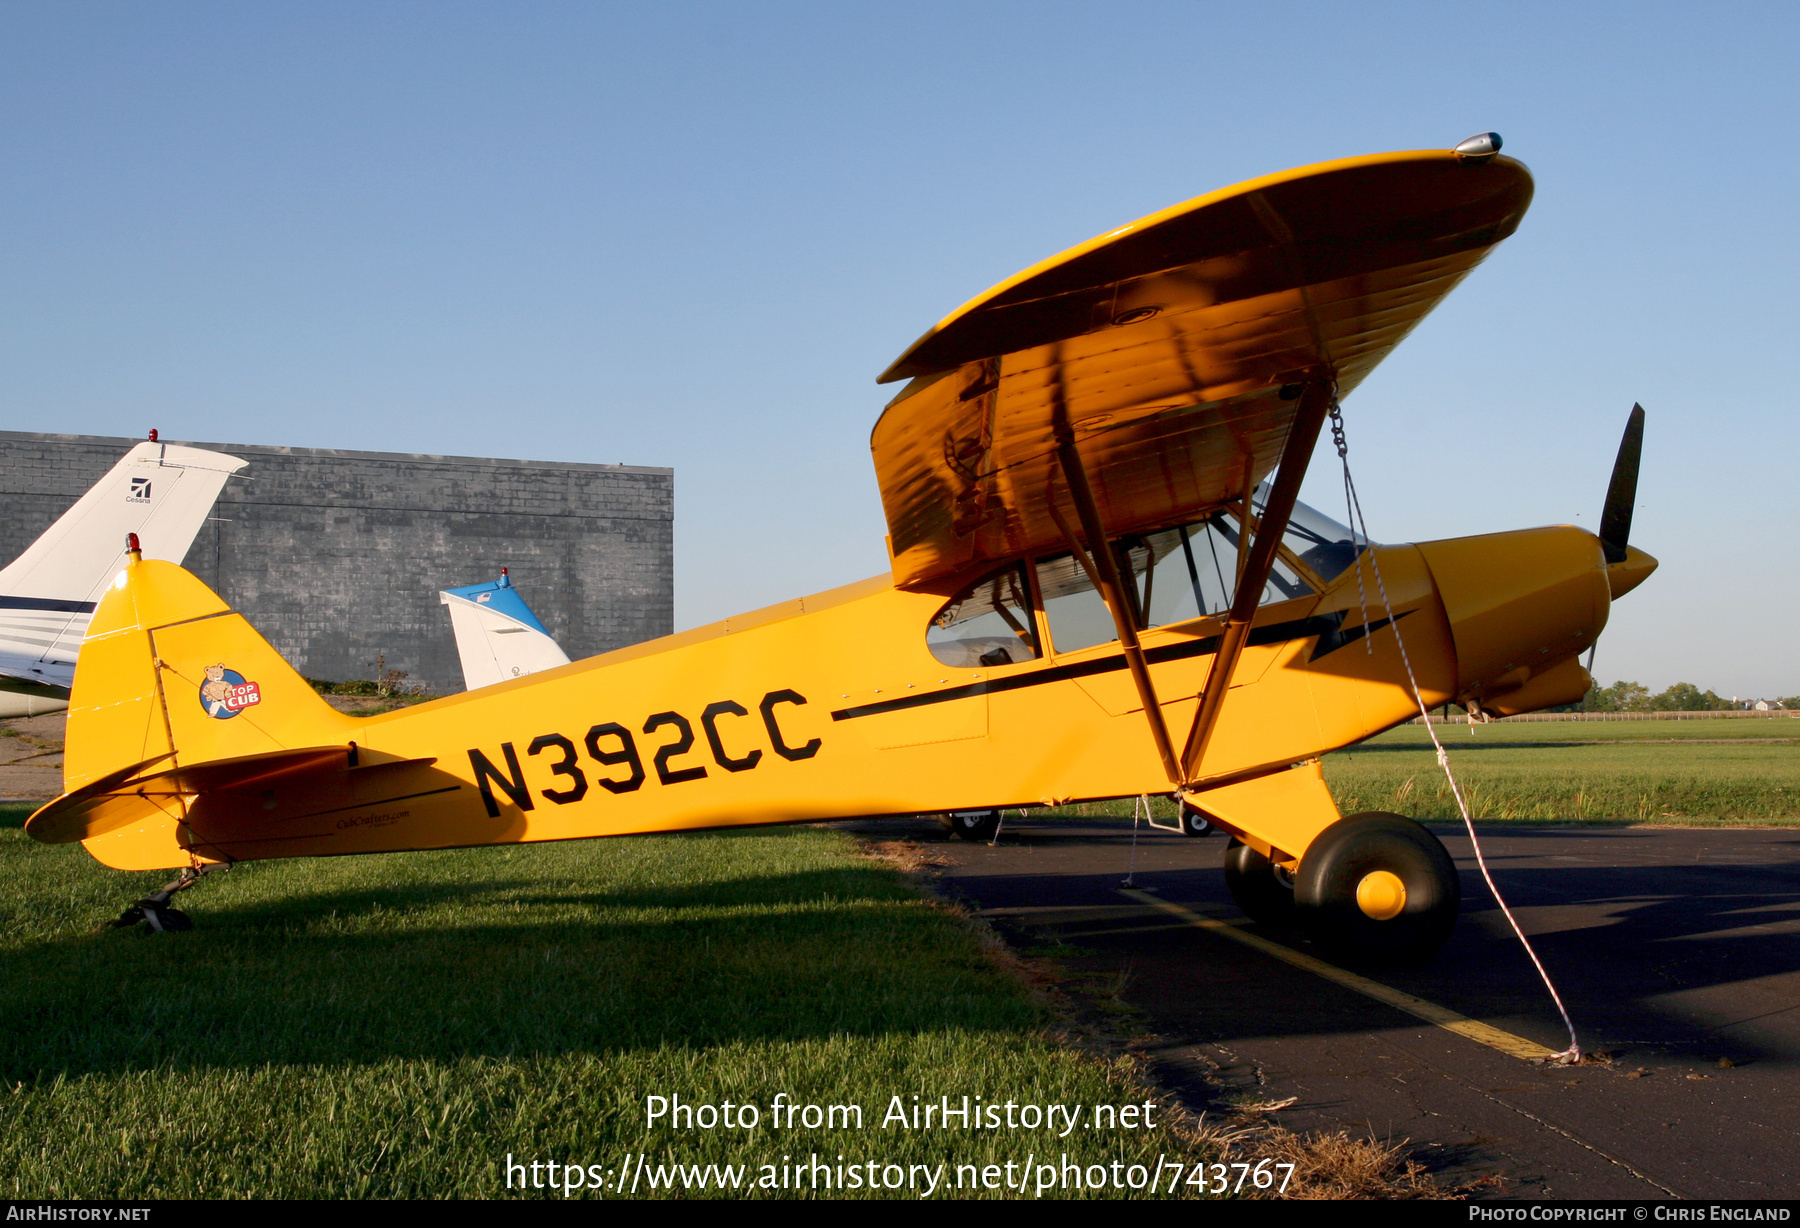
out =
column 396, row 1025
column 1678, row 773
column 1722, row 772
column 1785, row 729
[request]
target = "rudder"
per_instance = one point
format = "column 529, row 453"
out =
column 170, row 672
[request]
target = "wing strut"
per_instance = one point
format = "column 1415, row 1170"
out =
column 1253, row 573
column 1106, row 564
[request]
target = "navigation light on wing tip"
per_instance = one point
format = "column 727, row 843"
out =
column 132, row 548
column 1479, row 148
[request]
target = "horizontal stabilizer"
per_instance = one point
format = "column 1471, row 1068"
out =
column 233, row 808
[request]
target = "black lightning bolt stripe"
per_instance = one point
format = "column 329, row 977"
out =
column 1328, row 627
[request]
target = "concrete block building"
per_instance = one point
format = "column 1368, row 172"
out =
column 337, row 557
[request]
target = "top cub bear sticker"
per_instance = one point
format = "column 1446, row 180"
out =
column 224, row 694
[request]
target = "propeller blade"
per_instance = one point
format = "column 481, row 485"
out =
column 1621, row 493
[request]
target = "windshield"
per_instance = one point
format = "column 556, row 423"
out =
column 1316, row 539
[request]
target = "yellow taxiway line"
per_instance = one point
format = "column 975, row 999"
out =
column 1470, row 1029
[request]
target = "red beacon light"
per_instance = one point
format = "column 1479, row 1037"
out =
column 152, row 434
column 132, row 548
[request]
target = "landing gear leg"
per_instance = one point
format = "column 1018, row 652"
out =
column 1261, row 888
column 153, row 910
column 1193, row 823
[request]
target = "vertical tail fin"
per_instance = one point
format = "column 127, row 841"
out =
column 170, row 673
column 162, row 492
column 497, row 635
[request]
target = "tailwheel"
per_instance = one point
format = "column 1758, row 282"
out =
column 1193, row 823
column 975, row 824
column 1261, row 888
column 156, row 918
column 1377, row 888
column 153, row 911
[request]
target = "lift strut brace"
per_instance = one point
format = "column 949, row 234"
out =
column 1105, row 568
column 1112, row 589
column 1315, row 402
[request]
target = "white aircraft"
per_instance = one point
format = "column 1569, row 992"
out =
column 159, row 491
column 497, row 635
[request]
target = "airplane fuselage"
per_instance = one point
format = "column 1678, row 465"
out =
column 832, row 706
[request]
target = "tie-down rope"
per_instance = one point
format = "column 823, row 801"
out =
column 1353, row 509
column 1140, row 810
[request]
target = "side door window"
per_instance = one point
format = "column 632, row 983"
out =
column 988, row 623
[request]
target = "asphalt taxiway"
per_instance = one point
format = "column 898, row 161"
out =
column 1677, row 952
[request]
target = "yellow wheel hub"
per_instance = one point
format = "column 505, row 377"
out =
column 1381, row 895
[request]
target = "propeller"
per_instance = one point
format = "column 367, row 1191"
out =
column 1621, row 493
column 1621, row 500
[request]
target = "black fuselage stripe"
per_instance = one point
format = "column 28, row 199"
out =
column 1328, row 627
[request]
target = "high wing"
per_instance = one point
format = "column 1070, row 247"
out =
column 1171, row 352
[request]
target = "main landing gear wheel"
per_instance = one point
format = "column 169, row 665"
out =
column 1193, row 823
column 1260, row 887
column 975, row 824
column 1377, row 888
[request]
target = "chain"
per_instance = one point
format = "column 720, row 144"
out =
column 1357, row 551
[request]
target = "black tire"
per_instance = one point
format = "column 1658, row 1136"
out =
column 1193, row 823
column 167, row 920
column 1259, row 888
column 975, row 825
column 1367, row 853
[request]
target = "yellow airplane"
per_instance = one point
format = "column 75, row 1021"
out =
column 1087, row 599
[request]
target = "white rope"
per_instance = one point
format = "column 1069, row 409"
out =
column 1000, row 825
column 1140, row 809
column 1572, row 1054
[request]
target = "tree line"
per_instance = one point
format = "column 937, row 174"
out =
column 1625, row 696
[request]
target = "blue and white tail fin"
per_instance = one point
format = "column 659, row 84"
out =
column 161, row 492
column 497, row 635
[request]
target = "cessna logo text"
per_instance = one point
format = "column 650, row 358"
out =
column 140, row 491
column 225, row 693
column 727, row 726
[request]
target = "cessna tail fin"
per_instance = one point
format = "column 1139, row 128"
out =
column 163, row 493
column 497, row 635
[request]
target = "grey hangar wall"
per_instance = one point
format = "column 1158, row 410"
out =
column 337, row 557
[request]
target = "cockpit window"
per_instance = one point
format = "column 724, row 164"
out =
column 1175, row 575
column 988, row 623
column 1187, row 572
column 1321, row 543
column 1078, row 617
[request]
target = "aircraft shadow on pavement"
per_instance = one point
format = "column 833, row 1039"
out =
column 1618, row 939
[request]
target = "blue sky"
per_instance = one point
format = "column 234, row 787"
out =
column 691, row 235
